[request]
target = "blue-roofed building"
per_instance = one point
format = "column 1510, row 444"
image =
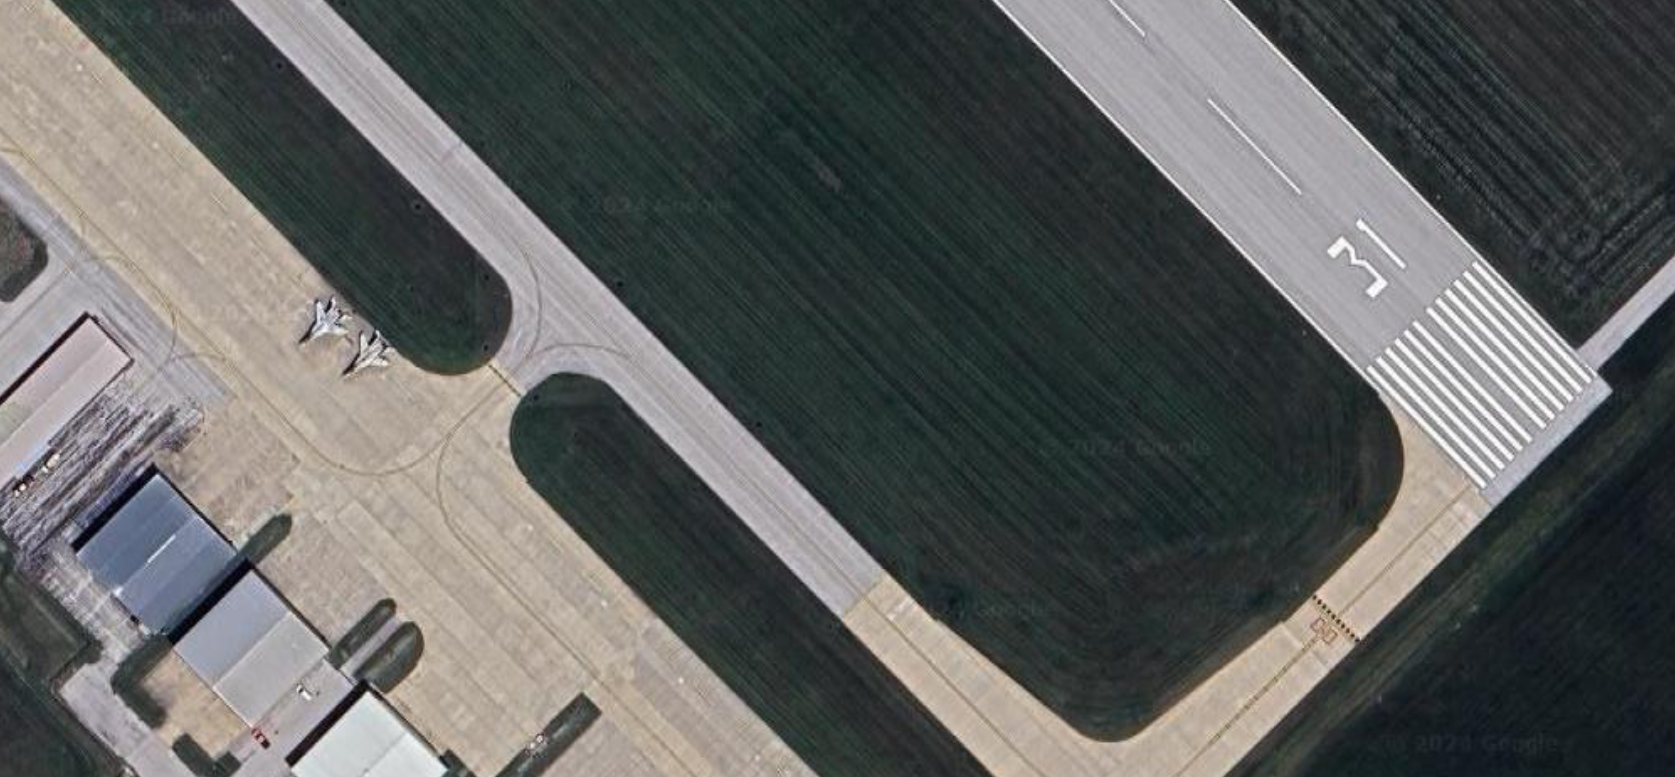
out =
column 156, row 554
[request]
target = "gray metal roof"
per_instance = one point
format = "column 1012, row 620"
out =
column 157, row 555
column 370, row 740
column 44, row 402
column 229, row 630
column 250, row 648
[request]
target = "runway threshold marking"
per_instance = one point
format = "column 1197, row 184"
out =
column 1484, row 319
column 1378, row 380
column 1249, row 141
column 1478, row 414
column 1547, row 402
column 1476, row 351
column 1477, row 389
column 1495, row 452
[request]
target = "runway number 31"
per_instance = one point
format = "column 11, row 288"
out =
column 1342, row 248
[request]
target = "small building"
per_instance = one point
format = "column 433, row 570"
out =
column 57, row 387
column 368, row 740
column 156, row 554
column 250, row 648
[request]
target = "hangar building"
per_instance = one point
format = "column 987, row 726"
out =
column 369, row 740
column 179, row 577
column 157, row 554
column 250, row 648
column 61, row 382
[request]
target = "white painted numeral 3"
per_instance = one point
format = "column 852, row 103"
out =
column 1343, row 246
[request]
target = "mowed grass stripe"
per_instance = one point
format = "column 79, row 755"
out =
column 721, row 590
column 941, row 288
column 363, row 227
column 40, row 738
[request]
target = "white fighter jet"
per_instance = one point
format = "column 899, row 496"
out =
column 329, row 321
column 373, row 352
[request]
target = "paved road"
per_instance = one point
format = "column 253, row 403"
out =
column 1392, row 285
column 1628, row 319
column 564, row 317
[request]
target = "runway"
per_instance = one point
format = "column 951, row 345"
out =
column 1328, row 221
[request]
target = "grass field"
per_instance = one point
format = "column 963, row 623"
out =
column 1544, row 129
column 38, row 644
column 721, row 590
column 952, row 299
column 38, row 639
column 300, row 162
column 1541, row 647
column 38, row 738
column 22, row 255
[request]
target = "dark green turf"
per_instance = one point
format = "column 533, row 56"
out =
column 371, row 235
column 23, row 256
column 37, row 637
column 1544, row 129
column 943, row 290
column 39, row 738
column 39, row 645
column 721, row 590
column 1542, row 645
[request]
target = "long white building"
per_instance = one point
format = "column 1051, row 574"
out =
column 57, row 387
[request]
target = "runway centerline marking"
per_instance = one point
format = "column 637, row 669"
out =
column 1249, row 141
column 1127, row 17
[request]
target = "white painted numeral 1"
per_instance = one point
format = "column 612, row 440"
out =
column 1343, row 246
column 1395, row 258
